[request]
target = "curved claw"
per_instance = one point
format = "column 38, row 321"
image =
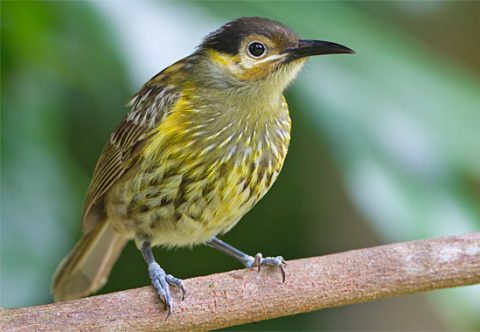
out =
column 278, row 261
column 282, row 270
column 162, row 282
column 171, row 280
column 184, row 292
column 258, row 261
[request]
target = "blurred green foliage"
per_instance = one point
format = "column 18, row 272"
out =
column 384, row 148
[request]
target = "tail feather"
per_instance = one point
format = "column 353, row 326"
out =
column 86, row 268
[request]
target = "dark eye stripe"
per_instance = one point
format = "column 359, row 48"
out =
column 256, row 49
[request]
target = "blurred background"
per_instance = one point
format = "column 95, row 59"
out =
column 385, row 144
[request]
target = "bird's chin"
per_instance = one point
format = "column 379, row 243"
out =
column 290, row 70
column 283, row 74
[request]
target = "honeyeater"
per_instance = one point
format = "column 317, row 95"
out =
column 202, row 143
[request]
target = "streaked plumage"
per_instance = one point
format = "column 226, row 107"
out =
column 206, row 167
column 203, row 142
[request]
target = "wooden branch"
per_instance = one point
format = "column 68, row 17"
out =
column 244, row 296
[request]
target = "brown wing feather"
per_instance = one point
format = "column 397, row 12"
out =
column 148, row 108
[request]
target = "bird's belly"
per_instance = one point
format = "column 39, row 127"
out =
column 174, row 206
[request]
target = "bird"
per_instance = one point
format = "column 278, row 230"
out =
column 203, row 141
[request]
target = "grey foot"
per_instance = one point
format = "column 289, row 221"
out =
column 162, row 282
column 259, row 261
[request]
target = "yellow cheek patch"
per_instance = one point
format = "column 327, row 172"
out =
column 227, row 61
column 251, row 72
column 218, row 58
column 257, row 72
column 223, row 59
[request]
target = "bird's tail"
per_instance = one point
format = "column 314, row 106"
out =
column 87, row 267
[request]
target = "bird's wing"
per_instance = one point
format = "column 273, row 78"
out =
column 148, row 108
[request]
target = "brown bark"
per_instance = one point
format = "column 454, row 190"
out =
column 244, row 296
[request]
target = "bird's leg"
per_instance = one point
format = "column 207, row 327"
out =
column 247, row 260
column 161, row 280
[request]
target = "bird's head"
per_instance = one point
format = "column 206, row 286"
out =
column 255, row 52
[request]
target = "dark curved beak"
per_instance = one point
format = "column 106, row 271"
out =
column 315, row 47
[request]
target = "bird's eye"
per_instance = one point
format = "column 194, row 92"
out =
column 256, row 49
